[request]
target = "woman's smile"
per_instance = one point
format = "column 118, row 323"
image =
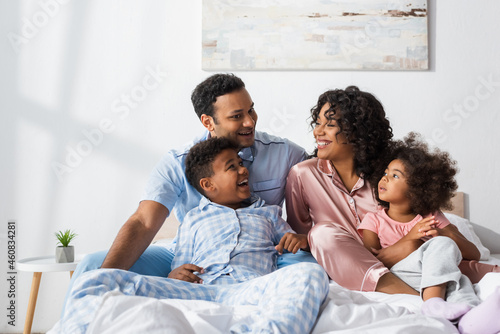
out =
column 322, row 143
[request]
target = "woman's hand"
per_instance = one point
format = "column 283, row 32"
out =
column 468, row 249
column 292, row 242
column 186, row 273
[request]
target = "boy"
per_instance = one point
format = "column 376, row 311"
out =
column 236, row 226
column 228, row 238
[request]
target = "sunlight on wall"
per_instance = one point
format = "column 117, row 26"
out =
column 46, row 29
column 35, row 143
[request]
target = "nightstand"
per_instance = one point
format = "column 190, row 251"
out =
column 39, row 265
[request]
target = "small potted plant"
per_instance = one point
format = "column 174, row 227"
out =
column 65, row 252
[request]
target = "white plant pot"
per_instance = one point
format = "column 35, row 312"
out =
column 65, row 254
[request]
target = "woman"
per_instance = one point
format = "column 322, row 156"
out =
column 328, row 196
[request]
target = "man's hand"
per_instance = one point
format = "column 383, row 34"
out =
column 292, row 242
column 186, row 273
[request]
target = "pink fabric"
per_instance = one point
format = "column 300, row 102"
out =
column 390, row 231
column 318, row 203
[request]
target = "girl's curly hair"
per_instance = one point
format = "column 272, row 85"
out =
column 430, row 175
column 361, row 118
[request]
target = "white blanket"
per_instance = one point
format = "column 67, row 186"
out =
column 344, row 311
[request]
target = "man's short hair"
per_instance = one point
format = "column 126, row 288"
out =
column 205, row 94
column 201, row 156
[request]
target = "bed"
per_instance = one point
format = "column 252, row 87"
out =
column 344, row 311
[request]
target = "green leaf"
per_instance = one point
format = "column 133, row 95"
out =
column 65, row 238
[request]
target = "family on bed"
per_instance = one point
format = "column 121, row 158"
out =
column 364, row 211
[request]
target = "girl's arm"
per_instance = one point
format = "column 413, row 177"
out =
column 371, row 241
column 391, row 255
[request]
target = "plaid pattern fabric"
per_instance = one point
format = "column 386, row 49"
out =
column 223, row 241
column 287, row 300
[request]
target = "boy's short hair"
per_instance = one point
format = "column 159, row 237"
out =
column 201, row 156
column 430, row 175
column 205, row 94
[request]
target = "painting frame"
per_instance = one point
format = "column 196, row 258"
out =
column 314, row 35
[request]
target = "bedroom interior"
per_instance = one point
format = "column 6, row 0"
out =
column 94, row 93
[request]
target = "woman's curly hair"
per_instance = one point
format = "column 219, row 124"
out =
column 361, row 118
column 430, row 175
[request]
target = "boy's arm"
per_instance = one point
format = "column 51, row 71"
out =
column 292, row 242
column 185, row 272
column 286, row 237
column 182, row 268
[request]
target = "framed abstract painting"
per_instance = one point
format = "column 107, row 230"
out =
column 314, row 35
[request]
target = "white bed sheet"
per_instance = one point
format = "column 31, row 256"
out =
column 344, row 311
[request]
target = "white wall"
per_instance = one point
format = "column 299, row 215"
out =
column 79, row 60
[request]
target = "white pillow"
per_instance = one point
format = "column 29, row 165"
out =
column 465, row 227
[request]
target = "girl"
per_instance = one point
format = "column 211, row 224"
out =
column 415, row 185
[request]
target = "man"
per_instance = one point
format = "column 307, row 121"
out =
column 225, row 109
